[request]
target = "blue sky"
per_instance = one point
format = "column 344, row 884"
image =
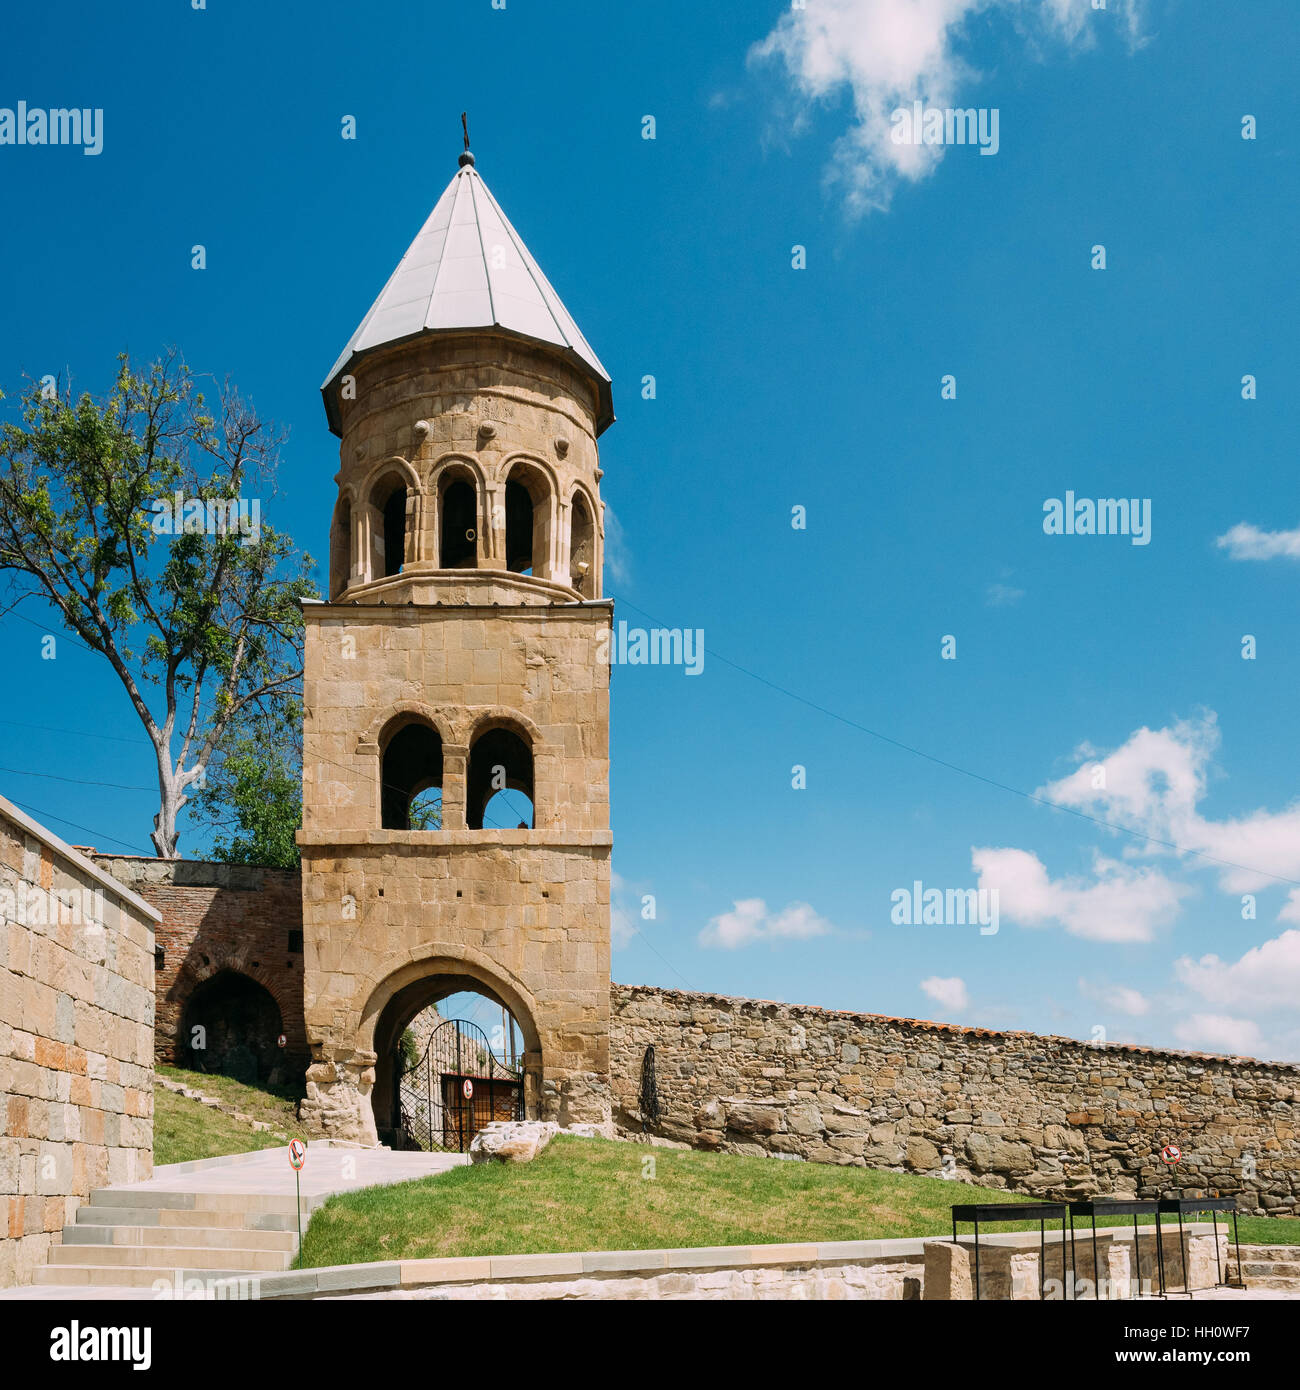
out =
column 780, row 388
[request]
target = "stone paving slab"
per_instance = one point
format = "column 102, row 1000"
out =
column 267, row 1174
column 260, row 1186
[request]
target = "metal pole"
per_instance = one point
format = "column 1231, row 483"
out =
column 1065, row 1289
column 1160, row 1252
column 1042, row 1259
column 1074, row 1254
column 1137, row 1263
column 1236, row 1240
column 1182, row 1246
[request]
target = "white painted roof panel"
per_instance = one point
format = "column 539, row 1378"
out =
column 468, row 268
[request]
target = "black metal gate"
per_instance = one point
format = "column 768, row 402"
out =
column 454, row 1088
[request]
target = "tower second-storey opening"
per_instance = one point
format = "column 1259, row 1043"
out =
column 500, row 782
column 528, row 521
column 341, row 548
column 582, row 548
column 411, row 791
column 458, row 512
column 388, row 546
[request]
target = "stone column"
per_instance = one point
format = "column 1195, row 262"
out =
column 563, row 543
column 455, row 764
column 339, row 1085
column 416, row 508
column 494, row 527
column 531, row 1062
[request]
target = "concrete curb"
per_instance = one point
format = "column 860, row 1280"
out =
column 410, row 1274
column 334, row 1280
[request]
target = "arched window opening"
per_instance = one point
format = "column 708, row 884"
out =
column 341, row 548
column 529, row 506
column 582, row 548
column 500, row 782
column 388, row 547
column 411, row 791
column 458, row 541
column 519, row 529
column 231, row 1026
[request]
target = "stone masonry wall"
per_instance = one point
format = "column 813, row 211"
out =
column 76, row 1038
column 1047, row 1116
column 217, row 917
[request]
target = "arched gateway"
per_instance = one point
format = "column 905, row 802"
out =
column 456, row 703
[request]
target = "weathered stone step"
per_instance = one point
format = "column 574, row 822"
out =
column 166, row 1218
column 1266, row 1252
column 217, row 1237
column 1270, row 1282
column 251, row 1203
column 156, row 1256
column 137, row 1277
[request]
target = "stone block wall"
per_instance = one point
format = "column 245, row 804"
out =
column 76, row 1038
column 217, row 917
column 1047, row 1116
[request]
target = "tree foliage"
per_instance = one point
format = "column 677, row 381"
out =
column 112, row 509
column 252, row 794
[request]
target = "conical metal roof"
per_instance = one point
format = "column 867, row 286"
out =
column 468, row 268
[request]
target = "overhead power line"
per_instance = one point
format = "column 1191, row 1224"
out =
column 968, row 772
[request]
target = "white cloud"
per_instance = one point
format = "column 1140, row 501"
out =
column 1220, row 1033
column 888, row 53
column 1153, row 785
column 1246, row 542
column 1265, row 977
column 1121, row 999
column 623, row 924
column 1002, row 595
column 951, row 992
column 618, row 557
column 1119, row 903
column 749, row 921
column 1291, row 908
column 621, row 927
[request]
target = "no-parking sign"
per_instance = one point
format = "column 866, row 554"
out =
column 467, row 1089
column 297, row 1154
column 1171, row 1153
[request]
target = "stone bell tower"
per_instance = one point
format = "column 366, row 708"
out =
column 456, row 738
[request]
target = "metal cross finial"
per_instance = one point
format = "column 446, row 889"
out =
column 466, row 157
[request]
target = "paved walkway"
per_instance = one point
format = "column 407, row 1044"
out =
column 328, row 1170
column 261, row 1181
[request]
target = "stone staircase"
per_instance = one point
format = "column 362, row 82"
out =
column 1267, row 1266
column 126, row 1239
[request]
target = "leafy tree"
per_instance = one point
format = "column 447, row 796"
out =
column 252, row 794
column 425, row 810
column 197, row 613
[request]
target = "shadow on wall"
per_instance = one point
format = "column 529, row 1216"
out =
column 232, row 1025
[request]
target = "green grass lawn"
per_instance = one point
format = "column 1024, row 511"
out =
column 277, row 1105
column 591, row 1194
column 184, row 1130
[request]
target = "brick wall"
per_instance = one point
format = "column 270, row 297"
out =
column 76, row 1038
column 1047, row 1116
column 219, row 917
